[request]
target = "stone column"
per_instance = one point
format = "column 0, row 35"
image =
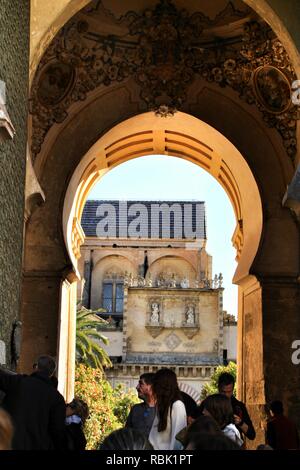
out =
column 41, row 294
column 281, row 327
column 251, row 378
column 268, row 324
column 67, row 340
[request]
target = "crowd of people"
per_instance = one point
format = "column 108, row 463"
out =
column 34, row 416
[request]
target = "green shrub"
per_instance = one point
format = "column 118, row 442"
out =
column 108, row 407
column 212, row 386
column 123, row 401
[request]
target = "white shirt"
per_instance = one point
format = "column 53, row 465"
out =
column 165, row 440
column 233, row 433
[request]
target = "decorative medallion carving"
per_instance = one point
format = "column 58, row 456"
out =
column 172, row 341
column 164, row 50
column 55, row 82
column 272, row 89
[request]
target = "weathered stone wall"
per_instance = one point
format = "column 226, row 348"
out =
column 14, row 56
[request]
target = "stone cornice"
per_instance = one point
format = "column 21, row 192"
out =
column 202, row 372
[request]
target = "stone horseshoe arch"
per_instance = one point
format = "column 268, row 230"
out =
column 182, row 136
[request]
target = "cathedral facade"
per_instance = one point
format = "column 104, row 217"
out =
column 145, row 264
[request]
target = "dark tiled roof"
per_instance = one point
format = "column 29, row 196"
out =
column 190, row 217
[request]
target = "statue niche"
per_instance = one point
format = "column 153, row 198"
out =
column 154, row 318
column 154, row 325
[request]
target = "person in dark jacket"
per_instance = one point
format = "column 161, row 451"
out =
column 282, row 433
column 37, row 409
column 76, row 414
column 241, row 416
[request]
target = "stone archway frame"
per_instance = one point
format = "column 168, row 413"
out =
column 191, row 391
column 268, row 14
column 182, row 136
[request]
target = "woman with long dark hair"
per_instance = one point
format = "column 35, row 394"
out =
column 219, row 407
column 170, row 415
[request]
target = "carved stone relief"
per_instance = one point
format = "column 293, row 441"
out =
column 163, row 49
column 172, row 341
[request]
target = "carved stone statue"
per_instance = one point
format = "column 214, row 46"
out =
column 149, row 281
column 190, row 316
column 173, row 281
column 126, row 279
column 154, row 319
column 185, row 283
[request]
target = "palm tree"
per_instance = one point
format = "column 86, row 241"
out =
column 88, row 327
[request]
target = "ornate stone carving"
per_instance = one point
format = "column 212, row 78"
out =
column 172, row 341
column 166, row 280
column 163, row 49
column 272, row 89
column 154, row 317
column 190, row 330
column 185, row 283
column 154, row 323
column 154, row 330
column 190, row 316
column 55, row 81
column 165, row 111
column 149, row 281
column 190, row 324
column 141, row 281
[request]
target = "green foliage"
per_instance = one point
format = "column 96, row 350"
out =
column 123, row 402
column 108, row 407
column 88, row 334
column 212, row 386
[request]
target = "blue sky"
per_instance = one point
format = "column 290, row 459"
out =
column 169, row 178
